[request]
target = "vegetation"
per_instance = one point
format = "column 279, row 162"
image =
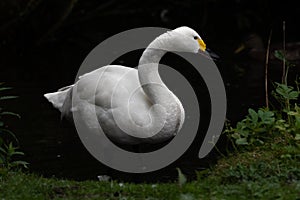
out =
column 266, row 125
column 267, row 172
column 8, row 149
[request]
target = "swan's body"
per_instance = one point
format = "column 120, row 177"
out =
column 132, row 106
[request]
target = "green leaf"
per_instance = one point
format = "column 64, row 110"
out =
column 20, row 162
column 241, row 141
column 5, row 88
column 18, row 153
column 243, row 133
column 3, row 130
column 283, row 90
column 297, row 121
column 279, row 55
column 293, row 113
column 241, row 126
column 297, row 137
column 235, row 135
column 287, row 92
column 253, row 115
column 8, row 97
column 181, row 178
column 286, row 156
column 260, row 141
column 267, row 117
column 10, row 113
column 280, row 128
column 294, row 95
column 187, row 196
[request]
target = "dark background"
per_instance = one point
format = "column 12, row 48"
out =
column 43, row 42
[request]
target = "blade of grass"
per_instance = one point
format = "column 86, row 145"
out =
column 5, row 88
column 10, row 113
column 8, row 97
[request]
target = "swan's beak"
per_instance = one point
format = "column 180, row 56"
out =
column 205, row 51
column 202, row 45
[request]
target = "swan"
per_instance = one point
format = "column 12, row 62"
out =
column 133, row 106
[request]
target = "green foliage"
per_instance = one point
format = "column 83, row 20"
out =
column 261, row 170
column 279, row 54
column 289, row 122
column 265, row 125
column 7, row 138
column 263, row 174
column 7, row 154
column 271, row 139
column 285, row 92
column 254, row 129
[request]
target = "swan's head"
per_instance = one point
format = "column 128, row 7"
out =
column 182, row 39
column 187, row 40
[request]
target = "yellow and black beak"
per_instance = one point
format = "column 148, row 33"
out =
column 205, row 51
column 202, row 45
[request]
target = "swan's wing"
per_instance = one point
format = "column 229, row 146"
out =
column 98, row 86
column 116, row 88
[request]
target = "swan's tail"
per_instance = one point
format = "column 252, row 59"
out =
column 58, row 98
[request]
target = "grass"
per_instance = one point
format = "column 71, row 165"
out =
column 271, row 171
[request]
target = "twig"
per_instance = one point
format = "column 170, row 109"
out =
column 283, row 79
column 266, row 69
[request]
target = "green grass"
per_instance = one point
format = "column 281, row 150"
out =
column 268, row 172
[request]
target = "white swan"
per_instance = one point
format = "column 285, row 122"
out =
column 132, row 106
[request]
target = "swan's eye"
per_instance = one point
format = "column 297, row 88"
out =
column 196, row 37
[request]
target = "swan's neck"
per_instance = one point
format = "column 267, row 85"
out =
column 157, row 91
column 149, row 77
